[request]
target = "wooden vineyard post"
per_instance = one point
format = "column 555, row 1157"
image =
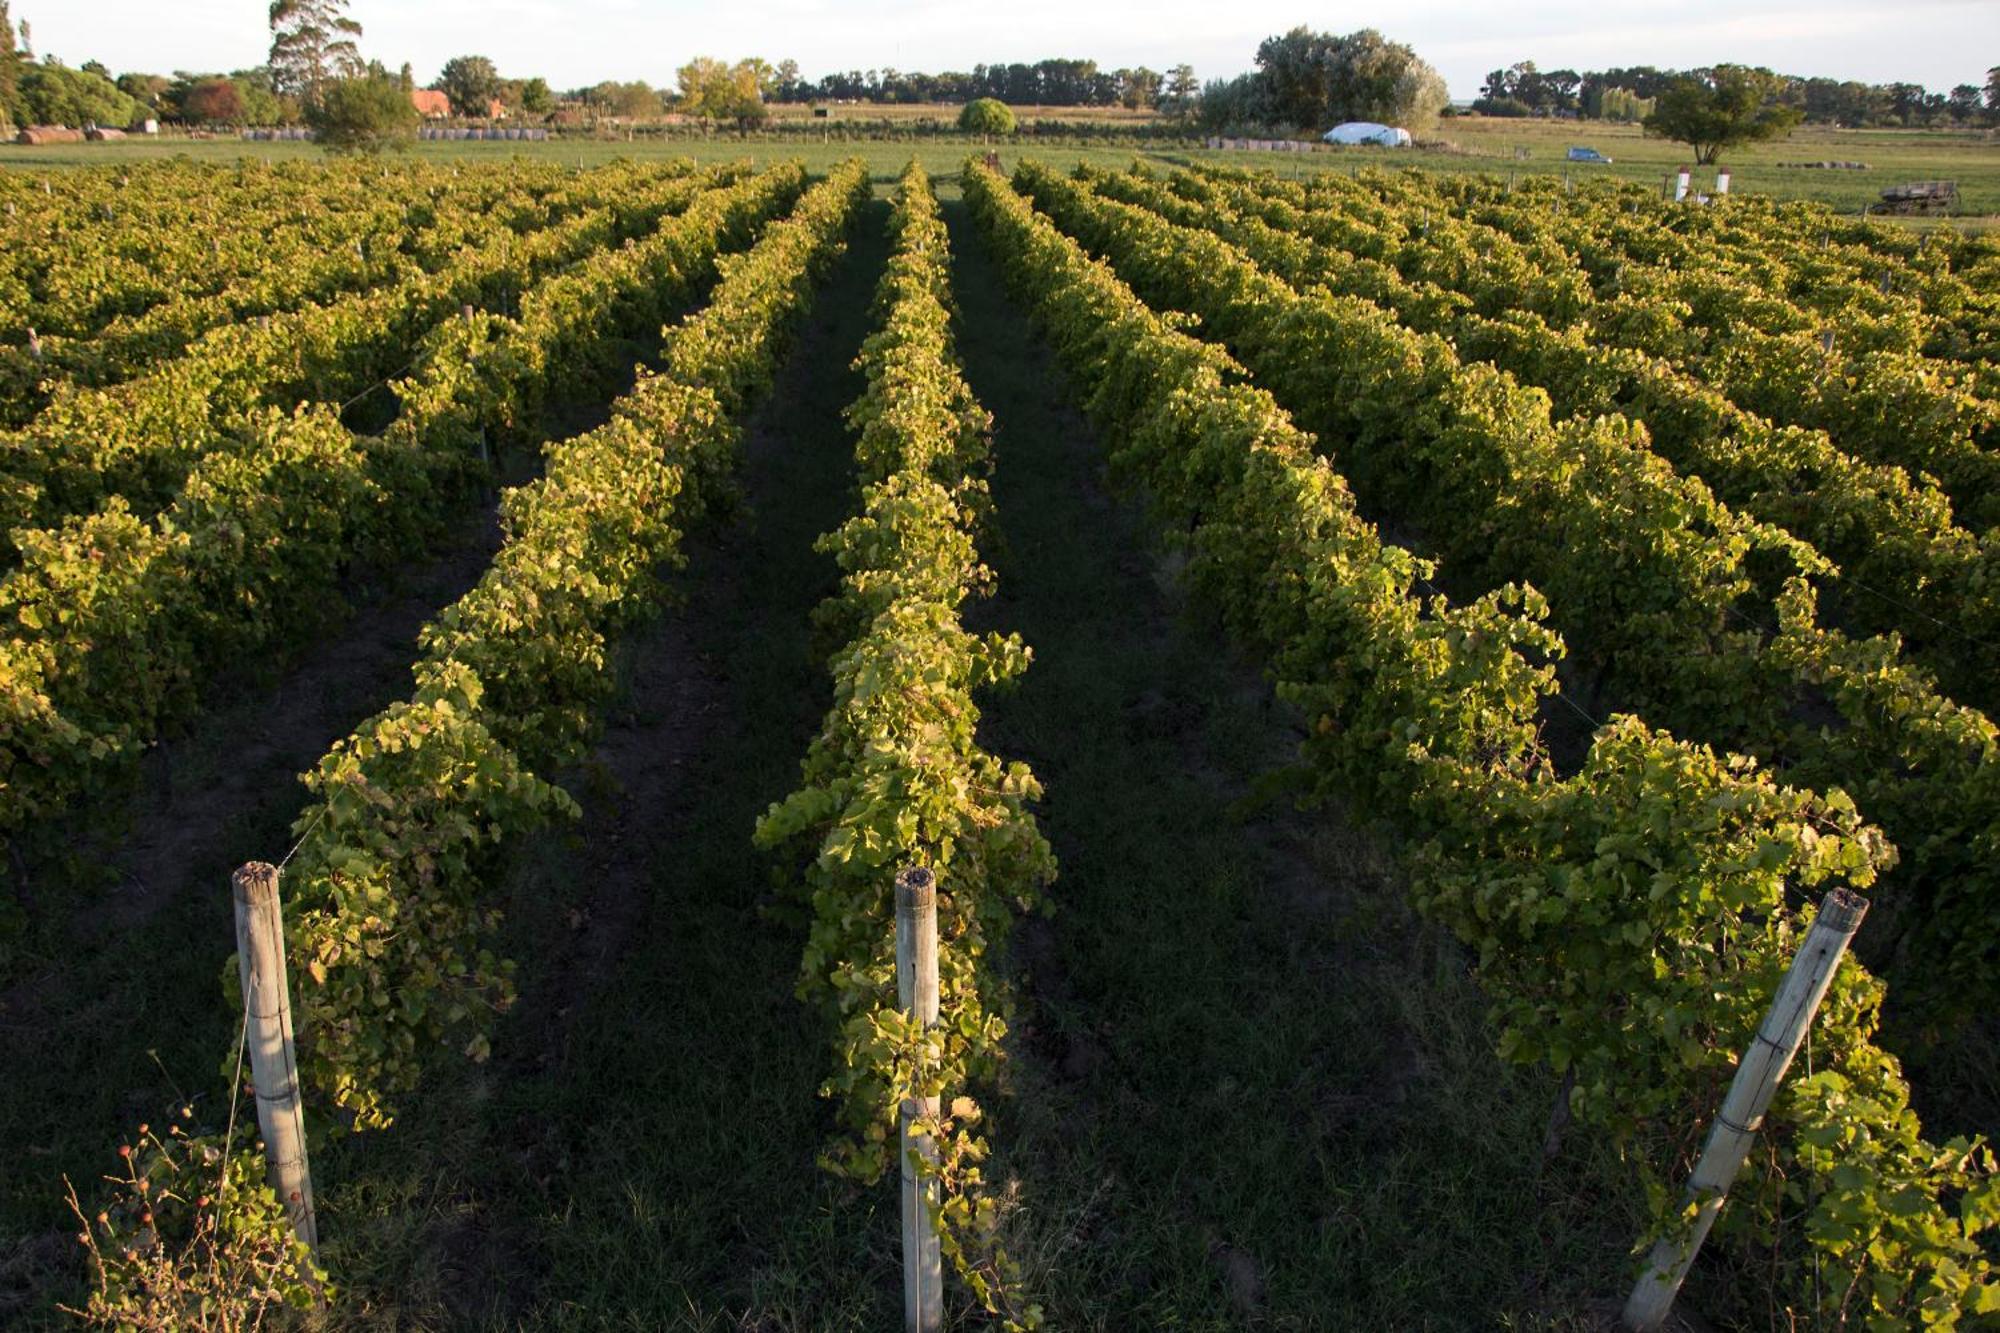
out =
column 267, row 1006
column 1757, row 1077
column 917, row 994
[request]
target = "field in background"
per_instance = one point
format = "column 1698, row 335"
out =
column 1894, row 157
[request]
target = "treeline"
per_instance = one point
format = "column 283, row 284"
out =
column 1306, row 81
column 1627, row 94
column 1056, row 82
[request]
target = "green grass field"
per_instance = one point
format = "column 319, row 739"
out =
column 1971, row 158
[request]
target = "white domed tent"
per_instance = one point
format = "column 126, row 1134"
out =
column 1367, row 131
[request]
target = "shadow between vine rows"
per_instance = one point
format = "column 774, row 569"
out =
column 1250, row 1090
column 640, row 1151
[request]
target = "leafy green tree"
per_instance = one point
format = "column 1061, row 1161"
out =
column 54, row 95
column 630, row 101
column 536, row 99
column 985, row 115
column 312, row 44
column 145, row 89
column 1183, row 90
column 1724, row 108
column 471, row 82
column 1241, row 103
column 1622, row 104
column 364, row 115
column 713, row 90
column 12, row 110
column 1138, row 88
column 1314, row 78
column 261, row 103
column 1993, row 89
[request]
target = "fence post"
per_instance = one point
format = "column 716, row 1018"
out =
column 267, row 1005
column 917, row 994
column 1757, row 1077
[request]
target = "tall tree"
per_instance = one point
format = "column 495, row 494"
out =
column 1315, row 78
column 1992, row 87
column 313, row 43
column 1138, row 88
column 471, row 82
column 1727, row 106
column 11, row 111
column 1183, row 91
column 714, row 90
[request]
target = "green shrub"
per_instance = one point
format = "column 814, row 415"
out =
column 363, row 116
column 986, row 115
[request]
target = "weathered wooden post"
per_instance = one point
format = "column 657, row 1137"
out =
column 917, row 994
column 267, row 1006
column 35, row 345
column 1757, row 1077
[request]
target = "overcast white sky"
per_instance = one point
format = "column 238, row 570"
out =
column 1938, row 43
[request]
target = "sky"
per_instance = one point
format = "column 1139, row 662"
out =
column 572, row 43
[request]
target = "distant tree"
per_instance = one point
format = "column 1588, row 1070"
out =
column 145, row 89
column 986, row 115
column 1992, row 80
column 1561, row 86
column 1963, row 103
column 54, row 95
column 313, row 42
column 790, row 87
column 1729, row 106
column 261, row 103
column 12, row 111
column 1183, row 90
column 536, row 99
column 213, row 102
column 471, row 83
column 713, row 90
column 1139, row 89
column 1240, row 103
column 627, row 101
column 362, row 115
column 1313, row 78
column 406, row 78
column 1622, row 104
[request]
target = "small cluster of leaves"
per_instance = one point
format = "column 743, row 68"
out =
column 1631, row 919
column 896, row 777
column 191, row 1237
